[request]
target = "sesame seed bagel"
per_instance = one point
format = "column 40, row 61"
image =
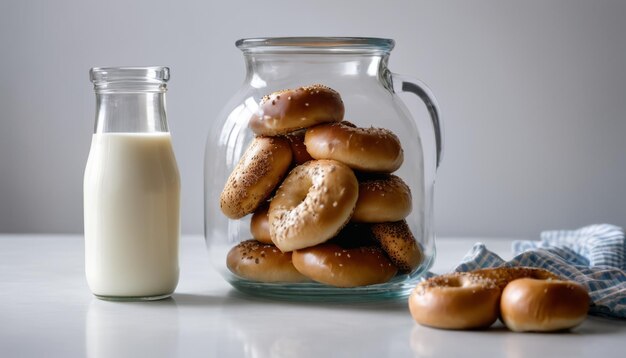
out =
column 455, row 301
column 312, row 204
column 382, row 198
column 292, row 109
column 365, row 149
column 258, row 172
column 260, row 225
column 262, row 262
column 335, row 265
column 399, row 243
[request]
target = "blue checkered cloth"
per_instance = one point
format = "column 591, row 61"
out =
column 594, row 256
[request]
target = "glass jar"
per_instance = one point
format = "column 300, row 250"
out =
column 357, row 69
column 131, row 188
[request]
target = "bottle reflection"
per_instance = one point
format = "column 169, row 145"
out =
column 249, row 335
column 132, row 329
column 299, row 330
column 432, row 342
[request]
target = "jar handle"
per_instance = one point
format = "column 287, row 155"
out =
column 403, row 83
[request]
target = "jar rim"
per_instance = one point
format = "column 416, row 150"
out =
column 145, row 74
column 315, row 45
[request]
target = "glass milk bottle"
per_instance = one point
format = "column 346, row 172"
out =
column 131, row 188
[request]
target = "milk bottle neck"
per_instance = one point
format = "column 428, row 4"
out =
column 130, row 99
column 130, row 112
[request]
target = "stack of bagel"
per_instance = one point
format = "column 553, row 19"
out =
column 324, row 204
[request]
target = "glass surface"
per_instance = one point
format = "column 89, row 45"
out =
column 357, row 69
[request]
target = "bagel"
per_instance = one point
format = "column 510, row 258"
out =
column 312, row 204
column 292, row 109
column 260, row 226
column 455, row 301
column 399, row 243
column 382, row 198
column 365, row 149
column 332, row 264
column 260, row 169
column 537, row 305
column 256, row 261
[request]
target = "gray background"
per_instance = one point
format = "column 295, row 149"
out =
column 533, row 96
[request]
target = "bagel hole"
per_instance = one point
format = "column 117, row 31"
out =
column 300, row 195
column 540, row 276
column 456, row 282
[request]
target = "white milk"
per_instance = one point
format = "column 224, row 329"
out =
column 132, row 217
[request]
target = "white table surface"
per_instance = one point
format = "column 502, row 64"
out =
column 46, row 310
